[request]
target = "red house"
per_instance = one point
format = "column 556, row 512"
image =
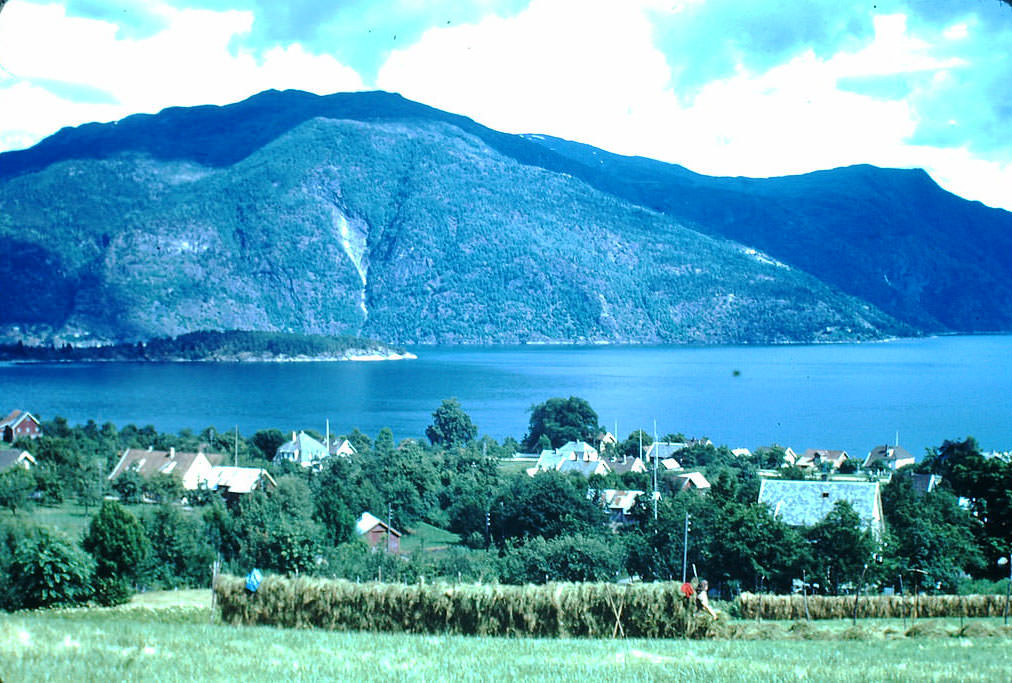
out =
column 19, row 425
column 377, row 533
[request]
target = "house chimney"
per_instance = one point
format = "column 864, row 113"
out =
column 172, row 451
column 293, row 437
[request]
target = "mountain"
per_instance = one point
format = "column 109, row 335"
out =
column 369, row 214
column 891, row 237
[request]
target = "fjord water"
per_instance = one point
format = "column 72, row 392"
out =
column 840, row 396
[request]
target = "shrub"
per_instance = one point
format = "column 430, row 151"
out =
column 119, row 545
column 48, row 570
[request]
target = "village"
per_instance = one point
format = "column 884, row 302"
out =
column 798, row 489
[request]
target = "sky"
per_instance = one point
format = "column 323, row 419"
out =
column 723, row 87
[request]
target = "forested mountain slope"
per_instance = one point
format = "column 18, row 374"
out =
column 370, row 214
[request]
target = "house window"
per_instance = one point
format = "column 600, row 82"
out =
column 825, row 494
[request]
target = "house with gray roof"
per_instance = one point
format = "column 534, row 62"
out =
column 302, row 449
column 662, row 450
column 584, row 467
column 888, row 457
column 805, row 503
column 815, row 458
column 190, row 468
column 14, row 457
column 572, row 452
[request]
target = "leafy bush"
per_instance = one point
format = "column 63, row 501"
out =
column 117, row 541
column 47, row 570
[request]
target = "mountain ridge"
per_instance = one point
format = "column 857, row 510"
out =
column 434, row 232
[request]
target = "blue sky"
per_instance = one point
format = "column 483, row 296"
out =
column 728, row 87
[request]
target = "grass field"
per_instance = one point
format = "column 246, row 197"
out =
column 426, row 537
column 171, row 636
column 70, row 518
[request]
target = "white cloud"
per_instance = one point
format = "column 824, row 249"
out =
column 190, row 62
column 586, row 70
column 590, row 71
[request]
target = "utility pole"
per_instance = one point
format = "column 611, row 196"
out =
column 655, row 496
column 685, row 547
column 488, row 527
column 237, row 445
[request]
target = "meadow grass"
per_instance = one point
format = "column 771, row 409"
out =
column 426, row 537
column 70, row 518
column 175, row 636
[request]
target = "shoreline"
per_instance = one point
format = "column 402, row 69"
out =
column 352, row 357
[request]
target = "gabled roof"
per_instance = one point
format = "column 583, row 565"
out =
column 148, row 463
column 16, row 417
column 694, row 480
column 925, row 483
column 808, row 458
column 628, row 465
column 549, row 460
column 670, row 464
column 808, row 502
column 578, row 449
column 663, row 449
column 344, row 448
column 584, row 467
column 369, row 521
column 621, row 501
column 238, row 479
column 893, row 457
column 302, row 449
column 9, row 457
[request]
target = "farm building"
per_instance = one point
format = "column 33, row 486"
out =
column 19, row 425
column 804, row 503
column 190, row 468
column 232, row 482
column 378, row 533
column 693, row 481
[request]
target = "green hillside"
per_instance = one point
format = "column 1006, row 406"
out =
column 410, row 231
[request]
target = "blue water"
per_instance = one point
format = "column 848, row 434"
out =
column 842, row 396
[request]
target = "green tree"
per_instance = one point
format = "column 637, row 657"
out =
column 275, row 531
column 630, row 448
column 756, row 551
column 564, row 558
column 451, row 426
column 268, row 441
column 656, row 545
column 930, row 533
column 987, row 484
column 117, row 541
column 163, row 488
column 48, row 570
column 561, row 420
column 841, row 546
column 16, row 486
column 181, row 553
column 129, row 486
column 384, row 442
column 90, row 484
column 547, row 505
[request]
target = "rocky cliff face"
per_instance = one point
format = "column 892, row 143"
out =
column 379, row 217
